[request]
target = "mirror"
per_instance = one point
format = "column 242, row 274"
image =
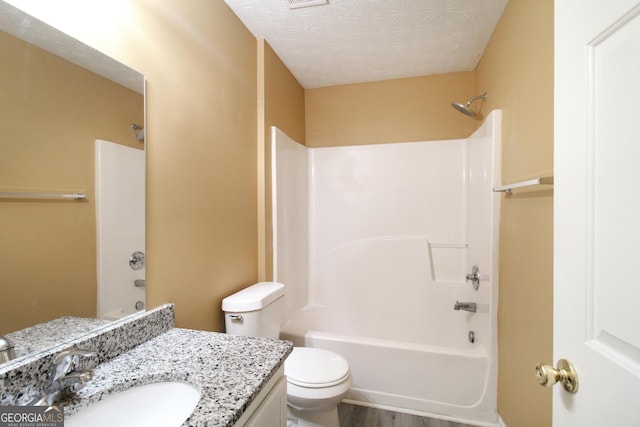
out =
column 58, row 97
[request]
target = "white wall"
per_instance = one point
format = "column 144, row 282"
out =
column 392, row 231
column 290, row 201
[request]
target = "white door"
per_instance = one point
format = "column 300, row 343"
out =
column 597, row 210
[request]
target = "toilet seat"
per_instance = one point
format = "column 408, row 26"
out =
column 315, row 368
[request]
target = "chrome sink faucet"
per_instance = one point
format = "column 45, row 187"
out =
column 467, row 306
column 65, row 380
column 7, row 349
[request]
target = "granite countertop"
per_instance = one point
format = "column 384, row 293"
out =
column 228, row 370
column 45, row 335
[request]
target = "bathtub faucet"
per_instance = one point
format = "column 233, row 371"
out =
column 467, row 306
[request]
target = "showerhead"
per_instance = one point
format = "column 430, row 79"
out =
column 465, row 108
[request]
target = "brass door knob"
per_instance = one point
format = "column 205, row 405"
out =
column 565, row 373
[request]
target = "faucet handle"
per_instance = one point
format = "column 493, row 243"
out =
column 66, row 361
column 74, row 381
column 76, row 351
column 474, row 277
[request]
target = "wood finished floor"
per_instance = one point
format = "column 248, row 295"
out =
column 361, row 416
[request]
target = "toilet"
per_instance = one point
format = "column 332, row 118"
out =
column 317, row 379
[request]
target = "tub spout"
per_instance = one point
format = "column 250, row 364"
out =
column 467, row 306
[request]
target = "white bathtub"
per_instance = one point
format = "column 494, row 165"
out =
column 442, row 382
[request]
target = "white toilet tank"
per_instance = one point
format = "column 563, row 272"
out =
column 255, row 311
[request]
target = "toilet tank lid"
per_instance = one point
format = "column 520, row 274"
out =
column 254, row 297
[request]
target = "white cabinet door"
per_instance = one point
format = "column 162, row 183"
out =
column 597, row 211
column 272, row 411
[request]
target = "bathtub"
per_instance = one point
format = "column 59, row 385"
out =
column 452, row 383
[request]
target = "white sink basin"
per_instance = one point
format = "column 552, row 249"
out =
column 166, row 404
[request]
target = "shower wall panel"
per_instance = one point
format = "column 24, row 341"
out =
column 120, row 221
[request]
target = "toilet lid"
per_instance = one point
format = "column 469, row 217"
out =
column 315, row 367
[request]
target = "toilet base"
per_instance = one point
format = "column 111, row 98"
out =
column 317, row 418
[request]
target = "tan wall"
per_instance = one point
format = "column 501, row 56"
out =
column 281, row 104
column 201, row 116
column 52, row 111
column 200, row 65
column 401, row 110
column 517, row 71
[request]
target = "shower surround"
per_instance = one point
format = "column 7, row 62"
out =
column 373, row 244
column 120, row 222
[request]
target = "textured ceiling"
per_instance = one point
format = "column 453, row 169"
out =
column 353, row 41
column 19, row 24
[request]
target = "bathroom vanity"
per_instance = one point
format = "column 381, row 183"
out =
column 240, row 380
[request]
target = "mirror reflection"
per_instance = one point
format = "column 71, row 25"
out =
column 67, row 130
